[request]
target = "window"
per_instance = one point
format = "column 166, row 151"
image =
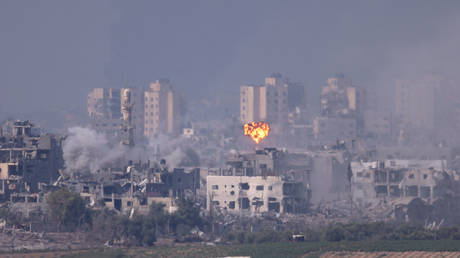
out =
column 243, row 203
column 129, row 203
column 244, row 186
column 260, row 188
column 231, row 205
column 216, row 203
column 411, row 176
column 425, row 176
column 215, row 187
column 270, row 188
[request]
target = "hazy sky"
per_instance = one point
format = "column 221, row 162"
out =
column 53, row 52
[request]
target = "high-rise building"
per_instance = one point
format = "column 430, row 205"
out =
column 340, row 98
column 272, row 101
column 137, row 110
column 163, row 109
column 427, row 103
column 104, row 110
column 253, row 103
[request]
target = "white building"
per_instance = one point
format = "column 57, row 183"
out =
column 254, row 194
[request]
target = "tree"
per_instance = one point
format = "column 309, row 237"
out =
column 186, row 217
column 158, row 215
column 67, row 209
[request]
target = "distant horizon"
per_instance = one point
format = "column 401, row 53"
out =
column 54, row 52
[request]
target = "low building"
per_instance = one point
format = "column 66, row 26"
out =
column 254, row 194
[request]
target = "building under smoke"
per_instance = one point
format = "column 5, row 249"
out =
column 153, row 111
column 390, row 180
column 104, row 110
column 164, row 109
column 272, row 101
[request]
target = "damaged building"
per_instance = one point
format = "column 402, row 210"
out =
column 390, row 180
column 136, row 187
column 253, row 194
column 318, row 177
column 267, row 180
column 28, row 159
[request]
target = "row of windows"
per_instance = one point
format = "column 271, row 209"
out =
column 243, row 186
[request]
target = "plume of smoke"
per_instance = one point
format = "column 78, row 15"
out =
column 86, row 150
column 171, row 149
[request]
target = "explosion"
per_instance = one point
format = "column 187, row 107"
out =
column 257, row 130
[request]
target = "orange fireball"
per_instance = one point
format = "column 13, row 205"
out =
column 257, row 131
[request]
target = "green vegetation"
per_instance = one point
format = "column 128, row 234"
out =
column 288, row 249
column 68, row 209
column 67, row 212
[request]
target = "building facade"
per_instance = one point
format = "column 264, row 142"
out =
column 163, row 109
column 137, row 110
column 104, row 110
column 255, row 194
column 429, row 104
column 389, row 180
column 340, row 98
column 272, row 101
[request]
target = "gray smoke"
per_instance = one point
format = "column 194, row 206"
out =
column 87, row 151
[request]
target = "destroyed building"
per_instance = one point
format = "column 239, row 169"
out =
column 341, row 100
column 135, row 188
column 372, row 182
column 104, row 110
column 28, row 159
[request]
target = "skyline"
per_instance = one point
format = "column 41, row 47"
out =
column 52, row 57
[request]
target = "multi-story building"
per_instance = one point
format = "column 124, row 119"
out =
column 342, row 111
column 372, row 182
column 254, row 194
column 429, row 103
column 28, row 159
column 340, row 98
column 137, row 110
column 415, row 102
column 163, row 109
column 272, row 101
column 104, row 110
column 253, row 103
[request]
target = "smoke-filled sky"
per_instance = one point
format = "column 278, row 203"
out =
column 53, row 52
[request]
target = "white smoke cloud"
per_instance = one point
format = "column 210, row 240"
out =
column 87, row 151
